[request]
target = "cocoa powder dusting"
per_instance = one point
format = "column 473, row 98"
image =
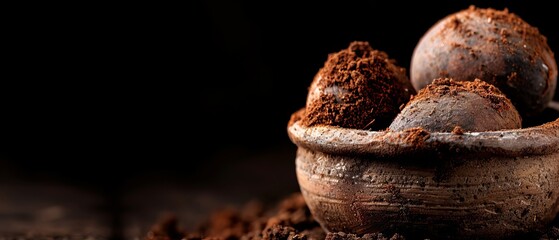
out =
column 519, row 25
column 416, row 136
column 289, row 219
column 458, row 130
column 358, row 87
column 497, row 18
column 448, row 86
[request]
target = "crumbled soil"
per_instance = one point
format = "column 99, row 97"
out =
column 289, row 219
column 357, row 87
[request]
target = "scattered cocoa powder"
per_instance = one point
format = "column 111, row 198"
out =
column 368, row 236
column 289, row 219
column 357, row 87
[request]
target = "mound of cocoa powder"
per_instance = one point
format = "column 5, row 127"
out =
column 288, row 219
column 357, row 87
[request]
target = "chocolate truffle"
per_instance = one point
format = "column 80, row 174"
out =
column 496, row 46
column 447, row 105
column 357, row 87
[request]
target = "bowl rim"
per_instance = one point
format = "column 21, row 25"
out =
column 537, row 140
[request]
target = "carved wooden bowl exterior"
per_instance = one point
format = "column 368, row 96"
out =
column 492, row 185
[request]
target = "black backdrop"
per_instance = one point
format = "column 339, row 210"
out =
column 103, row 93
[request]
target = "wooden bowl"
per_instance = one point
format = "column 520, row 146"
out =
column 496, row 185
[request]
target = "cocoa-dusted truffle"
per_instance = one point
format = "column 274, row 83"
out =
column 447, row 105
column 357, row 87
column 496, row 46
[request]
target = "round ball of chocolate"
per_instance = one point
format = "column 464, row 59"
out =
column 496, row 46
column 357, row 87
column 447, row 105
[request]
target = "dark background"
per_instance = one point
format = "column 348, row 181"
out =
column 105, row 97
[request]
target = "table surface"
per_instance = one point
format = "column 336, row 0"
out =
column 50, row 208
